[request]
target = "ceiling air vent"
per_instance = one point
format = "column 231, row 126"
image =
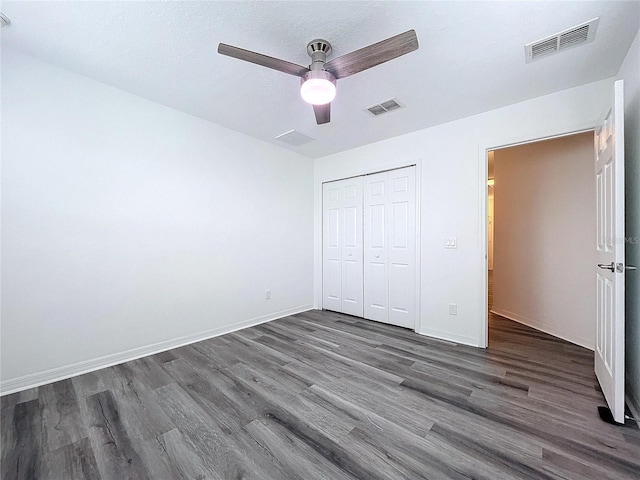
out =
column 384, row 107
column 295, row 138
column 544, row 48
column 572, row 37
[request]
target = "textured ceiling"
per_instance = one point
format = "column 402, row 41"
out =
column 470, row 60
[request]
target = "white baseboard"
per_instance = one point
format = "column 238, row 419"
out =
column 543, row 328
column 438, row 335
column 633, row 402
column 60, row 373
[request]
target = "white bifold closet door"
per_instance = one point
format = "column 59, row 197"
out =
column 369, row 251
column 390, row 247
column 342, row 283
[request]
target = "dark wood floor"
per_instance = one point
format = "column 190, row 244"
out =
column 320, row 395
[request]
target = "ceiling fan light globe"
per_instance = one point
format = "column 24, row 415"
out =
column 318, row 87
column 318, row 91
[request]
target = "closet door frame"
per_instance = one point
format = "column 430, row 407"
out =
column 418, row 258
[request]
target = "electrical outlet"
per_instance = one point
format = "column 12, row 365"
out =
column 453, row 309
column 267, row 294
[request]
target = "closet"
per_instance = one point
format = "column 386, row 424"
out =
column 369, row 246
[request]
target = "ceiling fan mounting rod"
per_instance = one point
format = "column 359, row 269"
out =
column 318, row 50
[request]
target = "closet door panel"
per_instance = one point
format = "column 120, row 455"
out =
column 352, row 287
column 332, row 284
column 352, row 274
column 331, row 248
column 342, row 277
column 376, row 271
column 376, row 292
column 402, row 248
column 399, row 225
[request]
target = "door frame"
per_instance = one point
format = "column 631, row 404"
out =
column 417, row 163
column 483, row 166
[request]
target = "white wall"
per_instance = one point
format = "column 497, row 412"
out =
column 452, row 182
column 129, row 227
column 630, row 72
column 545, row 232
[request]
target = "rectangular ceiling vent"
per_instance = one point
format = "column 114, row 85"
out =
column 384, row 107
column 572, row 37
column 295, row 138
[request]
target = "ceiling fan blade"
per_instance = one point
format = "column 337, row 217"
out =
column 373, row 55
column 260, row 59
column 323, row 113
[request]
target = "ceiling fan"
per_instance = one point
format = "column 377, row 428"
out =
column 318, row 81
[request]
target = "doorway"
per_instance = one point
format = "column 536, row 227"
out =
column 540, row 234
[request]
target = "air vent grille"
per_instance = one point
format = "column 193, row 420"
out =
column 384, row 107
column 544, row 48
column 295, row 138
column 579, row 35
column 572, row 37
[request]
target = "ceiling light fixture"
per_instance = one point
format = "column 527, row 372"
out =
column 318, row 87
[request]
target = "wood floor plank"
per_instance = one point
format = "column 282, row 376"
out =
column 61, row 421
column 75, row 461
column 310, row 374
column 184, row 460
column 7, row 401
column 386, row 407
column 230, row 415
column 134, row 399
column 227, row 455
column 301, row 458
column 417, row 456
column 118, row 457
column 321, row 395
column 23, row 451
column 269, row 396
column 253, row 462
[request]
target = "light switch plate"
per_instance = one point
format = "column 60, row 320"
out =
column 450, row 242
column 453, row 309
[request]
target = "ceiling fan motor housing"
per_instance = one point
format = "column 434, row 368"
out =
column 318, row 74
column 318, row 50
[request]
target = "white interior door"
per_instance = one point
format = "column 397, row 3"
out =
column 376, row 245
column 389, row 247
column 610, row 269
column 402, row 247
column 342, row 280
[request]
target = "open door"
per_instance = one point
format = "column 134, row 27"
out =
column 610, row 269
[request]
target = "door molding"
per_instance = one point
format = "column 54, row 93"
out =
column 483, row 192
column 318, row 239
